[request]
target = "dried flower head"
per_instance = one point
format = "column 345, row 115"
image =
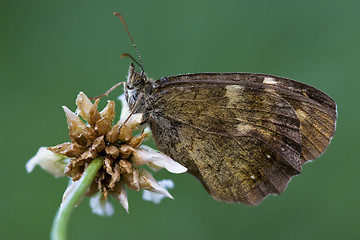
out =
column 93, row 135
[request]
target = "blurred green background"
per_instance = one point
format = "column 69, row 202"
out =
column 51, row 50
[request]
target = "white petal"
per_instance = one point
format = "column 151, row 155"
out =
column 125, row 110
column 156, row 160
column 49, row 161
column 148, row 182
column 154, row 167
column 121, row 195
column 101, row 206
column 156, row 197
column 124, row 200
column 135, row 119
column 148, row 132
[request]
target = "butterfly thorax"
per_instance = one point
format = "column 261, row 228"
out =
column 136, row 89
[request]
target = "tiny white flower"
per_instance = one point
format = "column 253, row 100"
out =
column 156, row 197
column 49, row 161
column 101, row 206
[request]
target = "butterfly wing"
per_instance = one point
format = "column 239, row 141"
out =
column 317, row 113
column 240, row 134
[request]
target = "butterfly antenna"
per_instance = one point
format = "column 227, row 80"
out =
column 132, row 40
column 128, row 55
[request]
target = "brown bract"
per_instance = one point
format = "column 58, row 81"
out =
column 97, row 137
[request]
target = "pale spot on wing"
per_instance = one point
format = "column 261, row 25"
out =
column 233, row 92
column 252, row 177
column 269, row 80
column 301, row 114
column 268, row 156
column 272, row 91
column 243, row 128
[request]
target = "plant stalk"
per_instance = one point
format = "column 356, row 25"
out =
column 62, row 217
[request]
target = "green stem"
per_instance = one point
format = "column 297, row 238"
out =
column 62, row 217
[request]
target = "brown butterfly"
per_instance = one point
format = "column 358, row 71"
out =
column 243, row 135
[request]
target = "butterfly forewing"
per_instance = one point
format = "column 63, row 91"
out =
column 315, row 110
